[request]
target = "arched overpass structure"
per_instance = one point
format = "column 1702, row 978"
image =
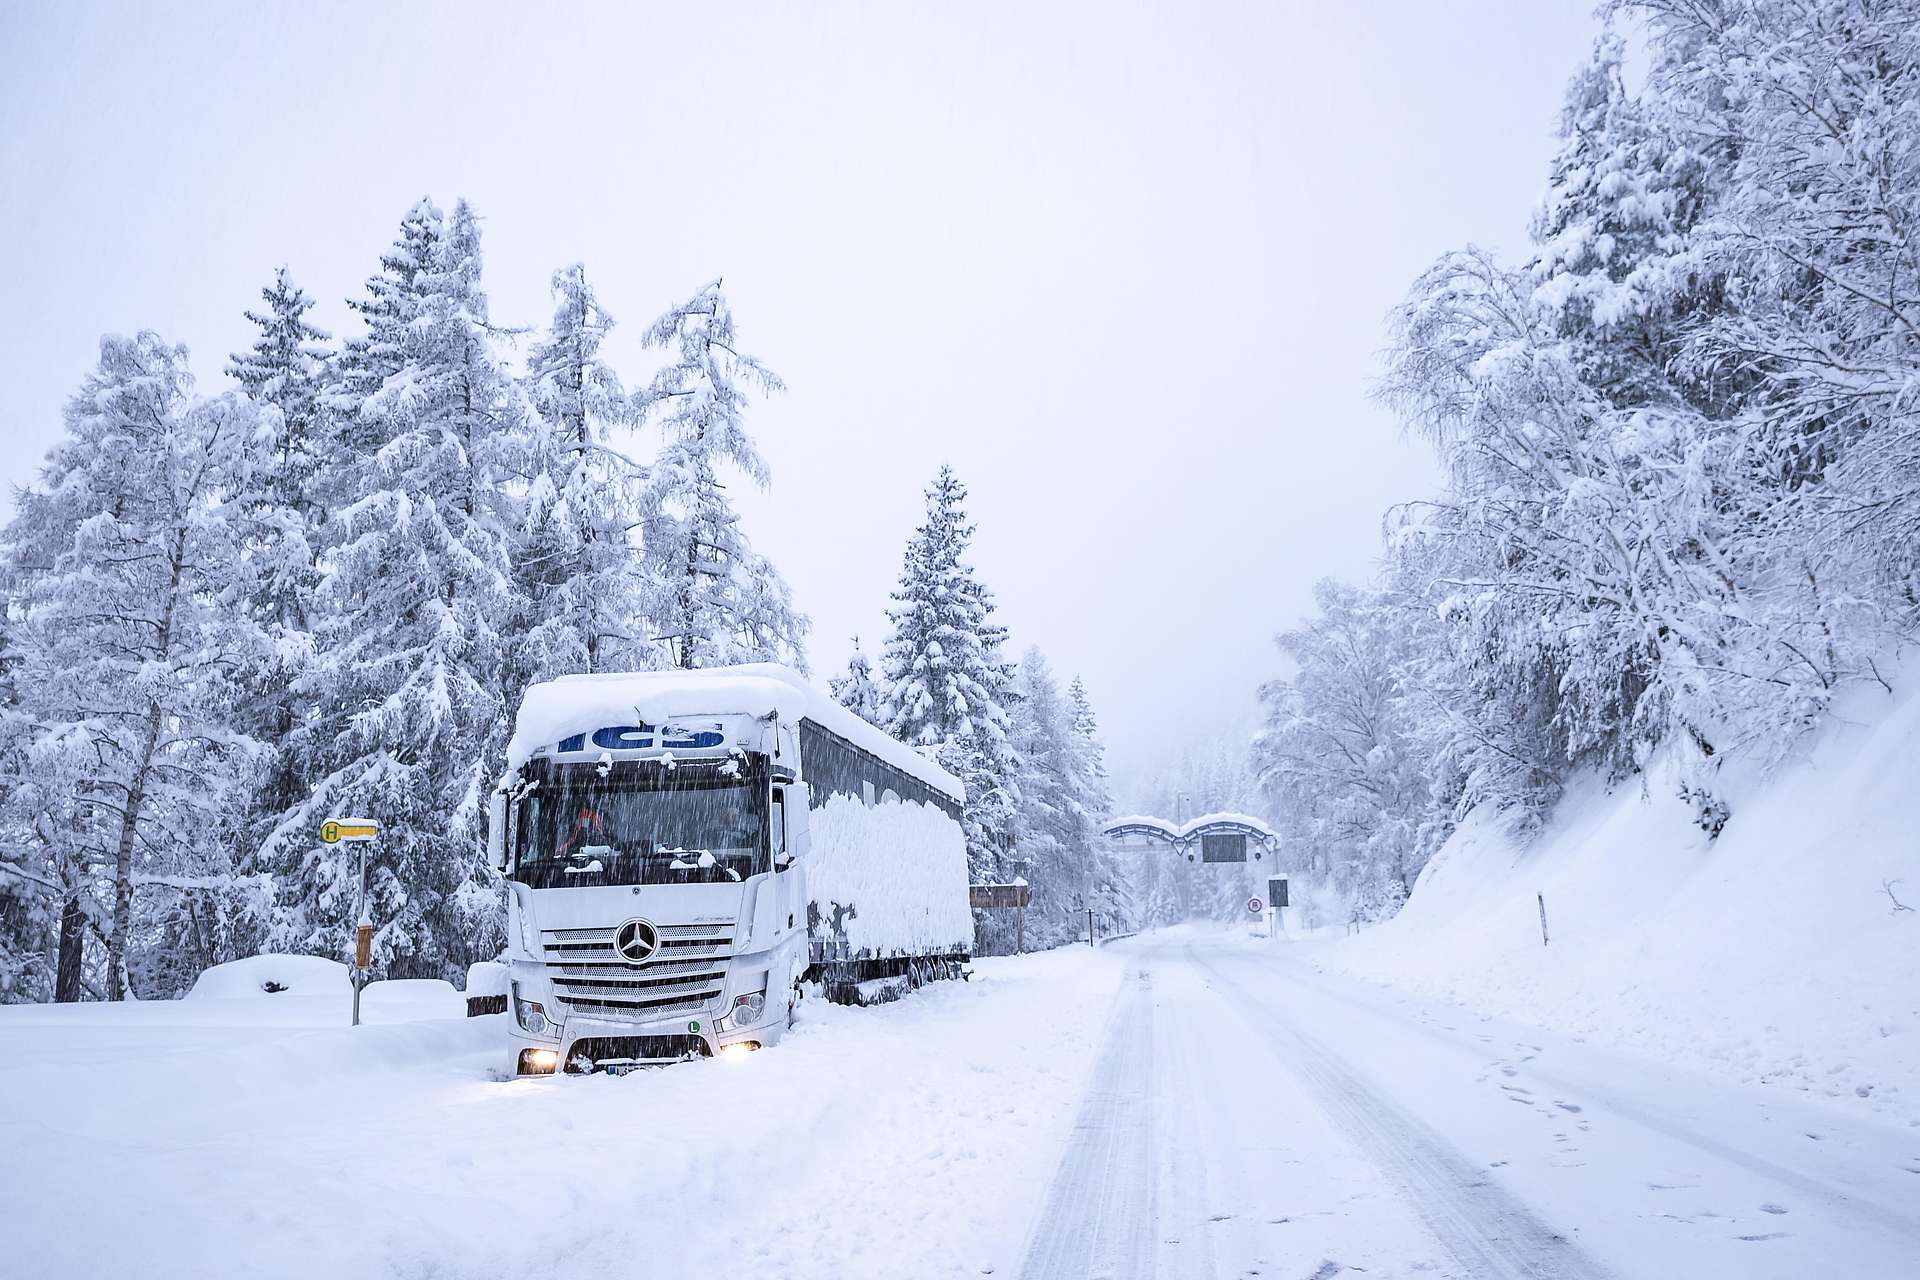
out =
column 1212, row 837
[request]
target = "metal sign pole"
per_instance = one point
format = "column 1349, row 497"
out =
column 361, row 832
column 362, row 938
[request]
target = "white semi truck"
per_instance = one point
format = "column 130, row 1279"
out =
column 685, row 850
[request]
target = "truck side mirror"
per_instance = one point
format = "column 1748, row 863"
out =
column 497, row 829
column 777, row 830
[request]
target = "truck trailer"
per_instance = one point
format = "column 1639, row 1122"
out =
column 686, row 852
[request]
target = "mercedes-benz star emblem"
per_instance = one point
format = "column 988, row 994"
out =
column 636, row 941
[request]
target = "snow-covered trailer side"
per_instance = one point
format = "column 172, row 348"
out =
column 886, row 868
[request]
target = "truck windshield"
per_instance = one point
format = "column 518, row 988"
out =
column 641, row 823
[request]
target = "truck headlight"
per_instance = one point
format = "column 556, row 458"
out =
column 747, row 1009
column 531, row 1015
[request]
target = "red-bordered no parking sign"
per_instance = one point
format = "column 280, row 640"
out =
column 1255, row 906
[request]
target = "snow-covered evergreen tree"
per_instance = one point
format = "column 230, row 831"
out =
column 394, row 297
column 856, row 690
column 409, row 716
column 945, row 682
column 128, row 638
column 720, row 601
column 945, row 677
column 1062, row 798
column 278, row 528
column 1114, row 891
column 286, row 368
column 578, row 560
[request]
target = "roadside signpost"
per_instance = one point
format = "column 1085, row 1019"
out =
column 360, row 831
column 1001, row 896
column 1277, row 902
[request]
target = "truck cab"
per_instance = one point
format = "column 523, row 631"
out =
column 657, row 892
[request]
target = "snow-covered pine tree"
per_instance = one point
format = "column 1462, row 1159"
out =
column 1113, row 890
column 944, row 680
column 856, row 690
column 408, row 719
column 721, row 602
column 278, row 525
column 286, row 368
column 30, row 905
column 394, row 297
column 579, row 566
column 1047, row 833
column 127, row 640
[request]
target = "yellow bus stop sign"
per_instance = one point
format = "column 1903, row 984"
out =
column 334, row 830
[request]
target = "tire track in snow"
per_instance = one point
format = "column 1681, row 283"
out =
column 1182, row 1243
column 1098, row 1220
column 1488, row 1232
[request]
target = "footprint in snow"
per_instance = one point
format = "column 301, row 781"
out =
column 1772, row 1208
column 1765, row 1235
column 1574, row 1107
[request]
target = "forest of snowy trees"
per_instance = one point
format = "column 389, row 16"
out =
column 228, row 616
column 1681, row 450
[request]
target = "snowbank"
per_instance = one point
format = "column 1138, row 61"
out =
column 1771, row 954
column 312, row 990
column 411, row 1000
column 271, row 975
column 902, row 867
column 558, row 709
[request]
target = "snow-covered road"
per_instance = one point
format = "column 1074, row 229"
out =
column 1182, row 1105
column 1293, row 1124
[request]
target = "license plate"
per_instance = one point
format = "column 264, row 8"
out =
column 620, row 1068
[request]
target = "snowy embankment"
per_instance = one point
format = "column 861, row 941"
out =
column 247, row 1135
column 1771, row 954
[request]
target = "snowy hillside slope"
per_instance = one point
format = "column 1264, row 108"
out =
column 1769, row 955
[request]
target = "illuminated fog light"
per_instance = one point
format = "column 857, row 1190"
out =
column 738, row 1051
column 539, row 1062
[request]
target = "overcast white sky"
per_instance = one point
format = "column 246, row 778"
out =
column 1126, row 267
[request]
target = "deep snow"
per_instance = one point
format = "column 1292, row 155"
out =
column 1770, row 955
column 264, row 1137
column 1193, row 1103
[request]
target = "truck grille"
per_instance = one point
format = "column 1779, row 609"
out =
column 597, row 1053
column 684, row 975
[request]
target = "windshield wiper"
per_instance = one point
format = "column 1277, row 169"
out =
column 705, row 862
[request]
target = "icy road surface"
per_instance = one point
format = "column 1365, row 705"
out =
column 1180, row 1105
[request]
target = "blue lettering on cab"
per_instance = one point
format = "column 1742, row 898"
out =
column 623, row 737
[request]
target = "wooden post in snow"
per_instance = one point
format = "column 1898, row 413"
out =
column 1542, row 899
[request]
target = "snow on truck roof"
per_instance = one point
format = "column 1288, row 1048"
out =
column 558, row 708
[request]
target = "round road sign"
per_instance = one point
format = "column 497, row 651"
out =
column 1255, row 906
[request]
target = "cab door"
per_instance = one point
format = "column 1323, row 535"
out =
column 787, row 820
